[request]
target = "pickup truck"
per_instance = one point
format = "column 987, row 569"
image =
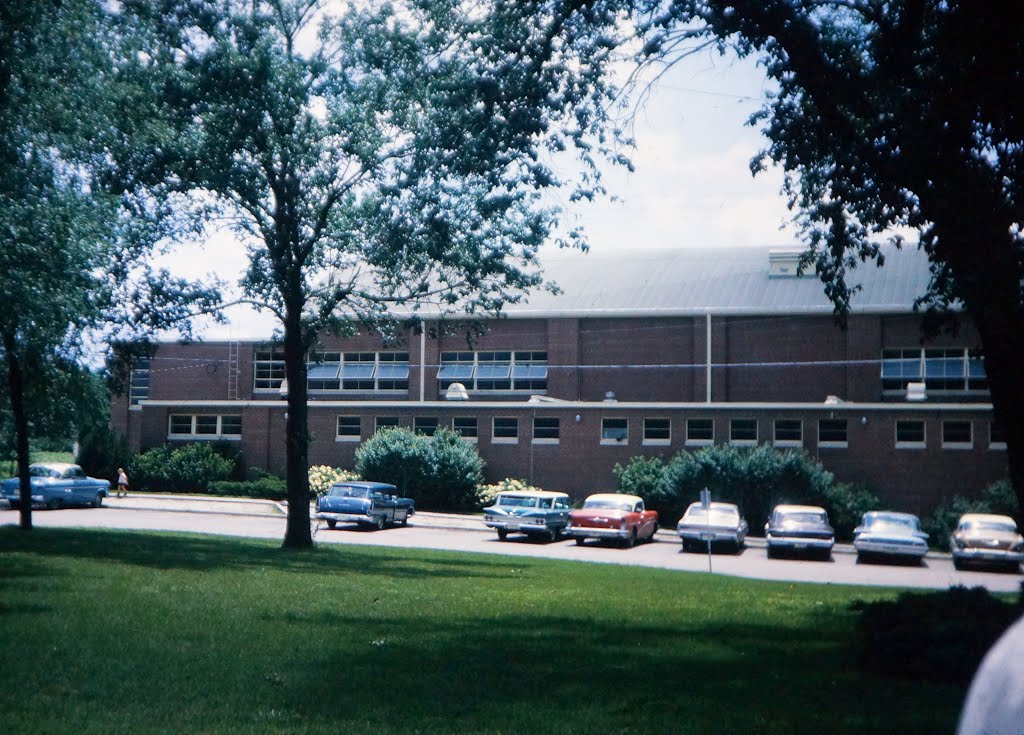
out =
column 370, row 504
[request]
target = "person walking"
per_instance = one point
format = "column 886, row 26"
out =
column 122, row 483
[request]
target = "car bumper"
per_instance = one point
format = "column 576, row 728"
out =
column 346, row 517
column 890, row 549
column 994, row 556
column 796, row 543
column 518, row 526
column 586, row 532
column 715, row 536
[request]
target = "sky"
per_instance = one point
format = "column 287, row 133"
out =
column 691, row 185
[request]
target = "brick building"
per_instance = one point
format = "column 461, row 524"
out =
column 646, row 353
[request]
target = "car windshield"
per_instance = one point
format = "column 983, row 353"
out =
column 803, row 517
column 719, row 516
column 608, row 504
column 998, row 526
column 348, row 491
column 891, row 525
column 517, row 501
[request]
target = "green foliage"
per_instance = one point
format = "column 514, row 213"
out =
column 440, row 472
column 266, row 488
column 102, row 450
column 185, row 469
column 999, row 497
column 754, row 479
column 642, row 476
column 321, row 477
column 936, row 636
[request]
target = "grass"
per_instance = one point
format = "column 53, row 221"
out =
column 135, row 632
column 9, row 467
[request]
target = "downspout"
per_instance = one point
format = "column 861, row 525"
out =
column 423, row 364
column 707, row 363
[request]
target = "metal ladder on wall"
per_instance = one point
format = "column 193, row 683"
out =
column 233, row 350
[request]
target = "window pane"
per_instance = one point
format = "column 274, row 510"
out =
column 657, row 430
column 349, row 426
column 506, row 428
column 322, row 371
column 455, row 372
column 181, row 424
column 832, row 431
column 493, row 371
column 910, row 432
column 545, row 428
column 206, row 425
column 743, row 430
column 614, row 430
column 357, row 371
column 700, row 430
column 465, row 426
column 385, row 422
column 231, row 425
column 789, row 430
column 392, row 371
column 957, row 432
column 425, row 425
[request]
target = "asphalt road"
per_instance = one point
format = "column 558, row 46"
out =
column 261, row 519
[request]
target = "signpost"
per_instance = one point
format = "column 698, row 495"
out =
column 705, row 503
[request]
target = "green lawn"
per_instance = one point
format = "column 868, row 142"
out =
column 9, row 467
column 111, row 632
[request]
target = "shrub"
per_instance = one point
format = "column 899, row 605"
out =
column 754, row 479
column 321, row 477
column 999, row 497
column 938, row 636
column 485, row 494
column 101, row 451
column 643, row 476
column 439, row 472
column 264, row 488
column 186, row 469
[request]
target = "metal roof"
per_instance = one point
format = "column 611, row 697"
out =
column 717, row 280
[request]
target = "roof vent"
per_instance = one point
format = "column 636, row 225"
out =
column 456, row 392
column 784, row 263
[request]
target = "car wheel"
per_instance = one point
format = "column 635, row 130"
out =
column 55, row 504
column 580, row 540
column 331, row 524
column 653, row 533
column 502, row 534
column 631, row 541
column 552, row 534
column 98, row 500
column 405, row 521
column 958, row 564
column 379, row 523
column 772, row 553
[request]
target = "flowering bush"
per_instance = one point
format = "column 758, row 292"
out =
column 485, row 494
column 321, row 477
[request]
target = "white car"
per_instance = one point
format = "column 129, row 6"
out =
column 885, row 534
column 986, row 538
column 722, row 523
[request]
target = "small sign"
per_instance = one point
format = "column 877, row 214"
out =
column 705, row 499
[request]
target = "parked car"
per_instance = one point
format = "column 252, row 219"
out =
column 986, row 538
column 889, row 535
column 537, row 513
column 370, row 504
column 720, row 524
column 57, row 485
column 803, row 528
column 615, row 517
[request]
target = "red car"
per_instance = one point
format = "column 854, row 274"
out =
column 613, row 516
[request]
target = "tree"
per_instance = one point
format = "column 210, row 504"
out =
column 894, row 117
column 386, row 157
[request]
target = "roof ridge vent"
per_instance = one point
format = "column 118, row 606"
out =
column 784, row 263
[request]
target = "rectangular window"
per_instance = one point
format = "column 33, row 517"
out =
column 910, row 434
column 204, row 426
column 700, row 432
column 505, row 430
column 393, row 371
column 996, row 438
column 941, row 369
column 268, row 368
column 957, row 435
column 614, row 431
column 545, row 430
column 788, row 433
column 743, row 431
column 657, row 431
column 833, row 433
column 138, row 385
column 358, row 371
column 466, row 427
column 945, row 369
column 385, row 422
column 349, row 429
column 494, row 371
column 424, row 425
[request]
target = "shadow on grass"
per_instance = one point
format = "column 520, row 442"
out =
column 208, row 553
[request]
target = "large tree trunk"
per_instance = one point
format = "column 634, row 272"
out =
column 297, row 533
column 17, row 395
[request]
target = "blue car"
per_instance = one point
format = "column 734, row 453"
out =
column 536, row 513
column 370, row 504
column 57, row 485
